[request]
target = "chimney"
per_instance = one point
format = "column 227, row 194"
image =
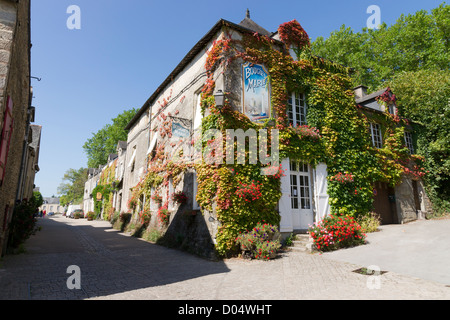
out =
column 360, row 92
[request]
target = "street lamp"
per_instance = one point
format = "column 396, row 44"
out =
column 219, row 96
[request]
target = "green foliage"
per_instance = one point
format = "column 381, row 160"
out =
column 423, row 96
column 105, row 191
column 411, row 57
column 72, row 187
column 421, row 41
column 38, row 200
column 23, row 223
column 104, row 142
column 369, row 222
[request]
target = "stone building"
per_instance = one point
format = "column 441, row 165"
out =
column 172, row 117
column 170, row 123
column 91, row 183
column 407, row 201
column 115, row 169
column 19, row 141
column 52, row 205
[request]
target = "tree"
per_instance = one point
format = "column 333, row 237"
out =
column 72, row 187
column 104, row 142
column 412, row 58
column 423, row 96
column 415, row 42
column 38, row 200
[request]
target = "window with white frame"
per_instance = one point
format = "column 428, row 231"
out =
column 171, row 191
column 195, row 205
column 297, row 109
column 300, row 185
column 375, row 131
column 198, row 112
column 409, row 142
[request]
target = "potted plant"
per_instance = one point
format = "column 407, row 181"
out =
column 90, row 216
column 144, row 217
column 157, row 198
column 179, row 197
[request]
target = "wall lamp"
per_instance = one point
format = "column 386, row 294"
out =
column 219, row 96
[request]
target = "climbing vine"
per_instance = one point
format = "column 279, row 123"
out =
column 337, row 135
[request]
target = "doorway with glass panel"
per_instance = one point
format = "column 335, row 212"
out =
column 301, row 195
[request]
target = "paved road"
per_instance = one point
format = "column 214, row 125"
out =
column 420, row 249
column 114, row 266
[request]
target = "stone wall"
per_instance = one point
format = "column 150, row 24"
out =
column 412, row 202
column 14, row 82
column 405, row 203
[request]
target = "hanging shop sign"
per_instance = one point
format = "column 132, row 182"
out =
column 256, row 92
column 178, row 130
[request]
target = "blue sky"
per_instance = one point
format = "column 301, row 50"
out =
column 125, row 49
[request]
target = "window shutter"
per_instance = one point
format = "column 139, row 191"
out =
column 8, row 124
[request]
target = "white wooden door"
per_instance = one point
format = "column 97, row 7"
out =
column 301, row 195
column 321, row 192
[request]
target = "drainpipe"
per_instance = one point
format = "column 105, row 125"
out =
column 24, row 162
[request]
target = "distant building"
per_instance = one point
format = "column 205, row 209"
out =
column 52, row 205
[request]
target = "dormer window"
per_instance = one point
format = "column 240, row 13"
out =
column 297, row 109
column 392, row 109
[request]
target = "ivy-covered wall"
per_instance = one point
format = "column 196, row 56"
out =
column 236, row 197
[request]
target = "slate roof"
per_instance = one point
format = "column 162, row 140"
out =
column 36, row 136
column 122, row 145
column 51, row 200
column 371, row 96
column 246, row 26
column 252, row 25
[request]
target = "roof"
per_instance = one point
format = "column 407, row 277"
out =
column 371, row 96
column 122, row 145
column 245, row 27
column 51, row 200
column 252, row 25
column 36, row 136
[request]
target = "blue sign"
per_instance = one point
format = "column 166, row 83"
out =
column 179, row 131
column 256, row 92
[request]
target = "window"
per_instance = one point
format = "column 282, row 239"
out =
column 392, row 109
column 170, row 195
column 198, row 112
column 132, row 161
column 297, row 109
column 409, row 142
column 195, row 205
column 375, row 131
column 300, row 186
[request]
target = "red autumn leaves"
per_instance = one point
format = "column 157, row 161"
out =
column 292, row 34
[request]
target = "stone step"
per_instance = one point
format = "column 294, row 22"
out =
column 301, row 242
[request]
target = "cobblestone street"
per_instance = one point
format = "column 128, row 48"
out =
column 115, row 266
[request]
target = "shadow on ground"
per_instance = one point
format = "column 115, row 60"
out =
column 109, row 263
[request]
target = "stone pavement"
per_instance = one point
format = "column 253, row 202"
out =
column 420, row 249
column 115, row 266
